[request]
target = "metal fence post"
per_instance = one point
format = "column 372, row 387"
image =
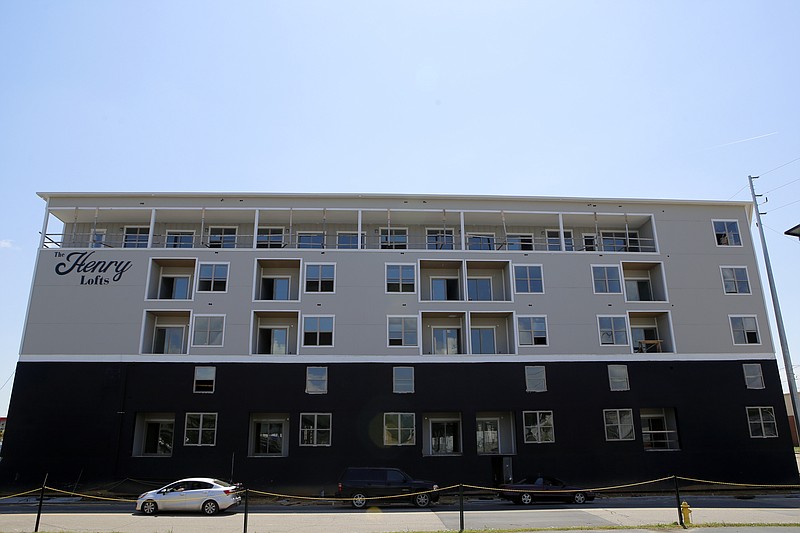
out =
column 461, row 508
column 41, row 499
column 245, row 510
column 678, row 502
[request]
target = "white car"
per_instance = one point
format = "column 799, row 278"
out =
column 203, row 494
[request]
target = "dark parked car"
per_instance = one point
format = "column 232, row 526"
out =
column 359, row 484
column 544, row 488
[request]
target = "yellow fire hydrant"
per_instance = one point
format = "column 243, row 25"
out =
column 686, row 513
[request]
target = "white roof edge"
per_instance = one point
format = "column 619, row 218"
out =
column 441, row 196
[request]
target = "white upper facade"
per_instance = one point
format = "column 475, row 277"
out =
column 347, row 277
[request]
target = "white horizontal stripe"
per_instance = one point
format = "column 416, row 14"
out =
column 305, row 359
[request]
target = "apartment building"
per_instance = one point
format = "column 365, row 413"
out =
column 278, row 338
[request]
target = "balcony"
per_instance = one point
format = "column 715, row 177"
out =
column 350, row 229
column 651, row 332
column 644, row 282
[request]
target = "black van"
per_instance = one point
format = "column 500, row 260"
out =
column 377, row 486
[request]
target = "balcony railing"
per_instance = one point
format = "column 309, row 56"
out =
column 335, row 242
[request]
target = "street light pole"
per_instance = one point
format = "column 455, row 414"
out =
column 787, row 359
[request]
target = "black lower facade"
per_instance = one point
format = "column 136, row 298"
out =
column 265, row 425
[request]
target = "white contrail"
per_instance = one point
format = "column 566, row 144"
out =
column 744, row 140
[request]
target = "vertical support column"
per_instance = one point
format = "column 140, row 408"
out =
column 256, row 218
column 150, row 233
column 358, row 230
column 463, row 234
column 43, row 235
column 202, row 224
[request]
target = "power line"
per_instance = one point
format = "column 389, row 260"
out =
column 7, row 380
column 737, row 192
column 779, row 187
column 784, row 205
column 781, row 166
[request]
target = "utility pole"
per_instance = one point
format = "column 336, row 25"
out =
column 787, row 359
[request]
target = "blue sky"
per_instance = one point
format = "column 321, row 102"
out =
column 656, row 99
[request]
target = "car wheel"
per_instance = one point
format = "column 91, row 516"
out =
column 525, row 498
column 579, row 497
column 210, row 507
column 359, row 500
column 422, row 500
column 149, row 507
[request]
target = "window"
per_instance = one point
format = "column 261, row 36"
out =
column 98, row 238
column 221, row 237
column 745, row 330
column 310, row 240
column 213, row 277
column 398, row 429
column 618, row 377
column 532, row 330
column 174, row 287
column 439, row 239
column 479, row 289
column 315, row 429
column 726, row 233
column 317, row 380
column 320, row 278
column 269, row 238
column 400, row 278
column 620, row 241
column 589, row 242
column 275, row 288
column 528, row 278
column 268, row 435
column 168, row 340
column 446, row 341
column 201, row 429
column 487, row 432
column 638, row 290
column 535, row 379
column 539, row 427
column 762, row 422
column 659, row 429
column 402, row 331
column 204, row 378
column 753, row 376
column 554, row 240
column 482, row 340
column 606, row 279
column 318, row 331
column 520, row 242
column 613, row 329
column 154, row 434
column 480, row 241
column 445, row 437
column 403, row 379
column 394, row 238
column 735, row 281
column 445, row 289
column 348, row 240
column 619, row 424
column 273, row 340
column 179, row 239
column 136, row 237
column 208, row 330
